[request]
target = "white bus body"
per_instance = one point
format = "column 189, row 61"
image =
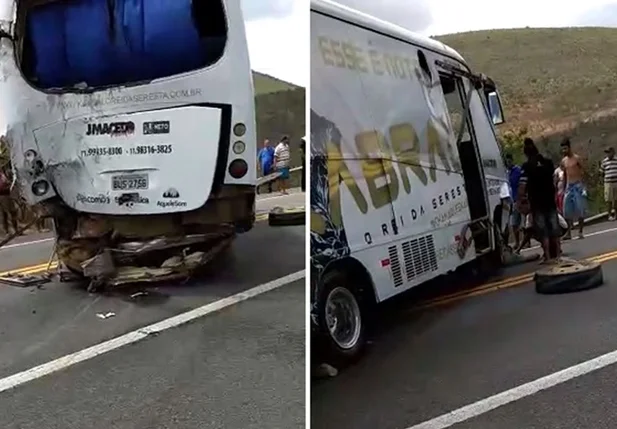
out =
column 181, row 144
column 394, row 199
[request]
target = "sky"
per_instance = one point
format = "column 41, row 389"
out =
column 277, row 33
column 435, row 17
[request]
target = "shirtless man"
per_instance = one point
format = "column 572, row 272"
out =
column 574, row 204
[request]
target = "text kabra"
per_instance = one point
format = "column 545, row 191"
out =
column 405, row 145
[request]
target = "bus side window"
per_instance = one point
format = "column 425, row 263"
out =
column 456, row 107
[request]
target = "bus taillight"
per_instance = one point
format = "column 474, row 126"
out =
column 239, row 129
column 238, row 168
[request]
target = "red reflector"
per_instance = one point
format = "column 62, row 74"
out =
column 238, row 168
column 385, row 262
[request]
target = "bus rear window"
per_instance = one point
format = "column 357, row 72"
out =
column 97, row 43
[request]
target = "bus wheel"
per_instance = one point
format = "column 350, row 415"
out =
column 342, row 319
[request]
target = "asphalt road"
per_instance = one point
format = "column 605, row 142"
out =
column 240, row 367
column 423, row 364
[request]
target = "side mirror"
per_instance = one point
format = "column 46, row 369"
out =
column 494, row 107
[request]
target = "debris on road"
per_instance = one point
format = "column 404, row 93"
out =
column 280, row 216
column 105, row 315
column 25, row 280
column 568, row 275
column 325, row 371
column 138, row 294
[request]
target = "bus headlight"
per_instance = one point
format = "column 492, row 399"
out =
column 40, row 187
column 239, row 147
column 238, row 168
column 239, row 129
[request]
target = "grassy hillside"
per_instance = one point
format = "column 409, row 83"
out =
column 550, row 78
column 553, row 82
column 280, row 109
column 265, row 84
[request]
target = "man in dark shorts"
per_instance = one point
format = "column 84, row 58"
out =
column 537, row 190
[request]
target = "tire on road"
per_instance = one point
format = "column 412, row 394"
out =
column 280, row 216
column 569, row 276
column 343, row 337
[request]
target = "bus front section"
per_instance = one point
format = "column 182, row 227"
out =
column 131, row 124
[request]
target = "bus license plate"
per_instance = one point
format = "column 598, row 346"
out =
column 129, row 182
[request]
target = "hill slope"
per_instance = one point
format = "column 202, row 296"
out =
column 280, row 110
column 549, row 78
column 265, row 84
column 554, row 82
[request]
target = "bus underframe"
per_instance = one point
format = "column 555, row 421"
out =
column 111, row 250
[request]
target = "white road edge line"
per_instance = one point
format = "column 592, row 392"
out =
column 64, row 362
column 25, row 243
column 488, row 404
column 603, row 231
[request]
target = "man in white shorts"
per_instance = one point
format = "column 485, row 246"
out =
column 608, row 169
column 282, row 158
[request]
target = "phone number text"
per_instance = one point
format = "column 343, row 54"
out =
column 160, row 149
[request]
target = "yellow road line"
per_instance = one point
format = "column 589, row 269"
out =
column 502, row 284
column 39, row 268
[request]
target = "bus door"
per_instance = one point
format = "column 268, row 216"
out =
column 456, row 98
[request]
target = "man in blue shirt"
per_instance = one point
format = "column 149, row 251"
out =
column 514, row 176
column 265, row 159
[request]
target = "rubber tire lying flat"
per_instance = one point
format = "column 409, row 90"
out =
column 569, row 276
column 279, row 216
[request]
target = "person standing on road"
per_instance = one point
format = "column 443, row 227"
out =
column 514, row 175
column 560, row 186
column 608, row 168
column 303, row 155
column 282, row 158
column 537, row 187
column 8, row 209
column 265, row 160
column 574, row 204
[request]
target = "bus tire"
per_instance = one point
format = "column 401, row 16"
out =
column 568, row 276
column 279, row 216
column 344, row 347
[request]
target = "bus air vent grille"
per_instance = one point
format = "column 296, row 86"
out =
column 419, row 256
column 395, row 266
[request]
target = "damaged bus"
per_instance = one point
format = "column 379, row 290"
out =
column 407, row 176
column 132, row 124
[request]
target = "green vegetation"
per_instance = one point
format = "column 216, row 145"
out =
column 553, row 82
column 279, row 113
column 265, row 84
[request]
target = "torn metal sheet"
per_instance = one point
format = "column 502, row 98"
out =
column 176, row 267
column 21, row 280
column 106, row 315
column 138, row 247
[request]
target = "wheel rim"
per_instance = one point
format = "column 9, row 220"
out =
column 343, row 317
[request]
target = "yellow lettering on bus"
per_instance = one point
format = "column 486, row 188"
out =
column 355, row 57
column 317, row 222
column 373, row 169
column 337, row 52
column 405, row 143
column 376, row 64
column 435, row 148
column 339, row 173
column 326, row 53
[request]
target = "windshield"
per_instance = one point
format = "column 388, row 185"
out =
column 98, row 43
